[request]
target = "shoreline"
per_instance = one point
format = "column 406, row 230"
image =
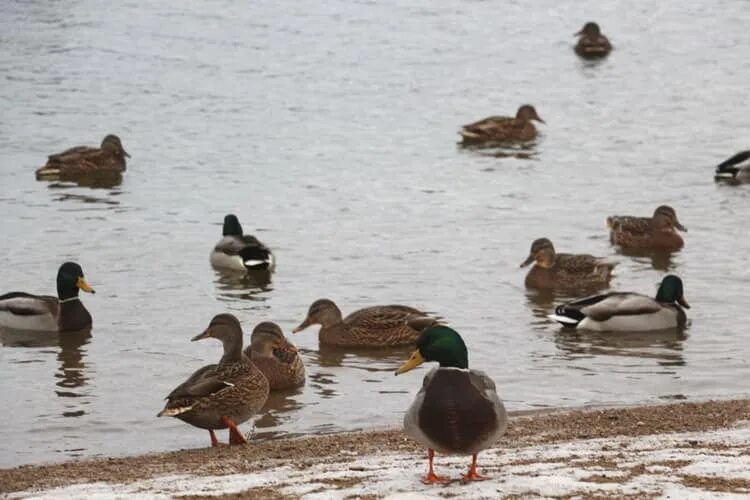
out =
column 614, row 445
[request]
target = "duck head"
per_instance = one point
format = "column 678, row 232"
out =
column 322, row 312
column 590, row 29
column 528, row 113
column 441, row 344
column 232, row 226
column 267, row 340
column 666, row 217
column 70, row 280
column 112, row 144
column 542, row 251
column 671, row 291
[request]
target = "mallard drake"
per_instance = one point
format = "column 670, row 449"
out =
column 24, row 311
column 240, row 252
column 627, row 311
column 564, row 270
column 378, row 326
column 653, row 233
column 500, row 129
column 223, row 395
column 457, row 410
column 736, row 168
column 276, row 357
column 84, row 160
column 592, row 44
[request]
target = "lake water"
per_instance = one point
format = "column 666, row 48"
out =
column 330, row 130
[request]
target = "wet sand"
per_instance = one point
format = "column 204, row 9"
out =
column 683, row 448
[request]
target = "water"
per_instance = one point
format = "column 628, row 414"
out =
column 330, row 130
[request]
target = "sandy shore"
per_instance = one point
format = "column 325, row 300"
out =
column 685, row 450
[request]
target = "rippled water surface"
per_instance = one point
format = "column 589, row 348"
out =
column 330, row 129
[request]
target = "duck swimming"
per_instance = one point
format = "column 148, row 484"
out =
column 276, row 357
column 457, row 410
column 592, row 44
column 83, row 160
column 657, row 232
column 44, row 313
column 240, row 252
column 502, row 129
column 736, row 168
column 627, row 311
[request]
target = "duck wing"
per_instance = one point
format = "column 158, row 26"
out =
column 204, row 382
column 605, row 306
column 71, row 153
column 382, row 317
column 487, row 125
column 629, row 224
column 26, row 304
column 580, row 263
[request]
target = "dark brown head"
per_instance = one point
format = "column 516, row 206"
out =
column 589, row 29
column 111, row 144
column 666, row 217
column 267, row 338
column 322, row 312
column 542, row 252
column 528, row 113
column 224, row 327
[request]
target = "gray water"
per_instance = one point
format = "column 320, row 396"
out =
column 330, row 130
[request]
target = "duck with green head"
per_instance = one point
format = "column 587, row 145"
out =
column 502, row 129
column 44, row 313
column 627, row 311
column 457, row 410
column 735, row 169
column 83, row 160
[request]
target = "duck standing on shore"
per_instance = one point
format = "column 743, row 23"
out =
column 457, row 410
column 223, row 395
column 81, row 161
column 627, row 311
column 563, row 270
column 276, row 357
column 240, row 252
column 377, row 326
column 592, row 44
column 657, row 232
column 502, row 129
column 44, row 313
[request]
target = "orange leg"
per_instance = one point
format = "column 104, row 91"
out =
column 235, row 436
column 473, row 475
column 431, row 477
column 214, row 441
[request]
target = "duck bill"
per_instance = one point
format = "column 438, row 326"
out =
column 205, row 334
column 578, row 33
column 540, row 120
column 414, row 361
column 528, row 261
column 288, row 347
column 302, row 325
column 81, row 283
column 126, row 153
column 680, row 226
column 683, row 302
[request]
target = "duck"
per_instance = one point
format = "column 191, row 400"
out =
column 501, row 129
column 457, row 410
column 276, row 357
column 84, row 160
column 240, row 252
column 563, row 270
column 736, row 168
column 222, row 395
column 592, row 44
column 657, row 232
column 627, row 311
column 376, row 326
column 45, row 313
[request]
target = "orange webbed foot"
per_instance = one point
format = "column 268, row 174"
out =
column 432, row 478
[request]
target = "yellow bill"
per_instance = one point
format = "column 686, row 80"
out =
column 414, row 361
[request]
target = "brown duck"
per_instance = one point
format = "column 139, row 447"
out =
column 502, row 129
column 223, row 395
column 563, row 270
column 592, row 44
column 83, row 160
column 276, row 357
column 378, row 326
column 657, row 232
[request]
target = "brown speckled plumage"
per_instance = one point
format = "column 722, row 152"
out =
column 647, row 233
column 501, row 129
column 554, row 270
column 592, row 44
column 233, row 388
column 276, row 357
column 83, row 160
column 378, row 326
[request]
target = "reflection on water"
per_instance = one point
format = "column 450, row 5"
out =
column 661, row 261
column 251, row 285
column 664, row 346
column 522, row 151
column 365, row 358
column 278, row 410
column 98, row 180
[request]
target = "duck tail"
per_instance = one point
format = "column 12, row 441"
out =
column 256, row 258
column 567, row 316
column 729, row 168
